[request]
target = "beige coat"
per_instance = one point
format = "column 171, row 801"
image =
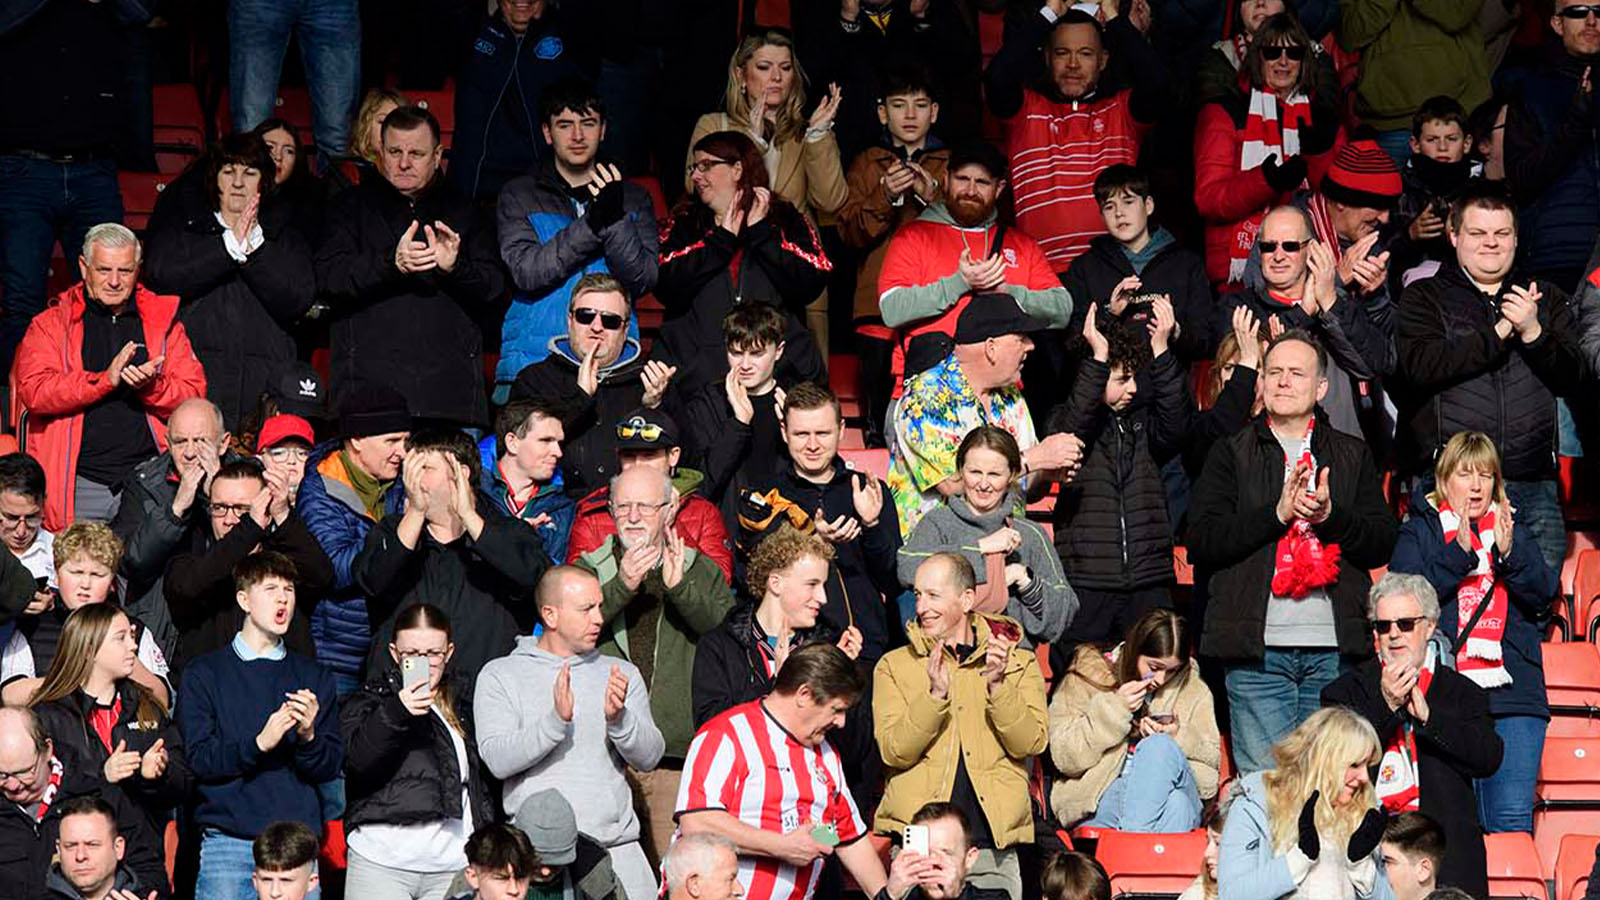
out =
column 997, row 736
column 1089, row 726
column 809, row 174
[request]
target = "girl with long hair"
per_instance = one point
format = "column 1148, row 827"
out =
column 1134, row 730
column 1310, row 826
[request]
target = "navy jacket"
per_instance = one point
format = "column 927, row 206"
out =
column 550, row 500
column 1553, row 166
column 1530, row 586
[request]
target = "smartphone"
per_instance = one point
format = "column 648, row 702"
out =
column 141, row 355
column 915, row 839
column 826, row 835
column 42, row 583
column 413, row 669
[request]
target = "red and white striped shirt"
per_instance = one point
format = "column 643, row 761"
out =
column 745, row 764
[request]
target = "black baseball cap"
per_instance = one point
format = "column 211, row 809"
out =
column 982, row 153
column 299, row 390
column 993, row 315
column 647, row 429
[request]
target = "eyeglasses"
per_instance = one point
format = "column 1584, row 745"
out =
column 1407, row 625
column 429, row 655
column 583, row 315
column 7, row 520
column 628, row 431
column 1295, row 52
column 1268, row 247
column 623, row 510
column 1579, row 12
column 705, row 166
column 223, row 510
column 287, row 454
column 25, row 776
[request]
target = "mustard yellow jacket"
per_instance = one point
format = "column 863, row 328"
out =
column 997, row 735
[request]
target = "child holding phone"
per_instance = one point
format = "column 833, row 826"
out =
column 1134, row 732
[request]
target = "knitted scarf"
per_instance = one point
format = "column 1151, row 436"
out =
column 1268, row 131
column 1397, row 785
column 1479, row 655
column 1302, row 562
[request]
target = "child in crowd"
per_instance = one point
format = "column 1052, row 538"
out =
column 1205, row 884
column 1438, row 169
column 890, row 185
column 1136, row 259
column 86, row 558
column 1111, row 523
column 733, row 426
column 500, row 863
column 261, row 728
column 285, row 856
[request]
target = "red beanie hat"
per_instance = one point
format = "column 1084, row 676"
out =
column 1362, row 175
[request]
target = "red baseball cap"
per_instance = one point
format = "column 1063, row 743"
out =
column 283, row 427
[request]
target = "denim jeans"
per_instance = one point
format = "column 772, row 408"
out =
column 1268, row 699
column 225, row 866
column 1538, row 506
column 42, row 202
column 1396, row 143
column 329, row 33
column 1155, row 794
column 1505, row 799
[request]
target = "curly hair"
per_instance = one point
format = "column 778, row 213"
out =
column 780, row 550
column 95, row 540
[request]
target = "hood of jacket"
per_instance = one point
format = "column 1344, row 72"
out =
column 939, row 213
column 983, row 625
column 60, row 888
column 630, row 359
column 527, row 647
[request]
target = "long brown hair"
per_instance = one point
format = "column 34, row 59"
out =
column 1158, row 633
column 426, row 615
column 85, row 630
column 790, row 122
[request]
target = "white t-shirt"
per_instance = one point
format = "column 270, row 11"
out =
column 430, row 846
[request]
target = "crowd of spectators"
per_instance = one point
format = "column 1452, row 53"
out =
column 336, row 493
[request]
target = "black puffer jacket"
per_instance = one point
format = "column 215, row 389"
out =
column 402, row 769
column 1458, row 375
column 780, row 261
column 1234, row 532
column 1173, row 270
column 416, row 332
column 1111, row 524
column 66, row 721
column 237, row 314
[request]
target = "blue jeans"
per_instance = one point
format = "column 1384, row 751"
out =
column 1538, row 505
column 1397, row 144
column 330, row 45
column 225, row 866
column 42, row 202
column 1155, row 794
column 1505, row 799
column 1268, row 699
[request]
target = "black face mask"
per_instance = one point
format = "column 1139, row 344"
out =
column 1439, row 177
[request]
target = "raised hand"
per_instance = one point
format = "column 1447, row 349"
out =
column 446, row 244
column 247, row 222
column 562, row 694
column 42, row 602
column 1003, row 540
column 417, row 500
column 280, row 723
column 1426, row 226
column 1099, row 346
column 1061, row 451
column 732, row 218
column 656, row 376
column 412, row 255
column 1364, row 840
column 603, row 175
column 898, row 179
column 142, row 376
column 738, row 398
column 1246, row 333
column 1310, row 843
column 417, row 699
column 589, row 371
column 1353, row 254
column 1162, row 325
column 1294, row 488
column 850, row 642
column 1275, row 328
column 1132, row 693
column 616, row 693
column 303, row 706
column 1520, row 307
column 1321, row 292
column 1396, row 682
column 1122, row 294
column 279, row 495
column 760, row 206
column 673, row 555
column 982, row 275
column 995, row 658
column 938, row 674
column 840, row 531
column 1505, row 524
column 120, row 362
column 637, row 562
column 153, row 764
column 867, row 497
column 261, row 508
column 121, row 764
column 823, row 115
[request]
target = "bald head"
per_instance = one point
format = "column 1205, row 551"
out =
column 569, row 605
column 194, row 432
column 24, row 753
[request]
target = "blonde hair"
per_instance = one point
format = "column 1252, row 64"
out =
column 81, row 636
column 370, row 104
column 95, row 540
column 1471, row 449
column 1313, row 757
column 790, row 121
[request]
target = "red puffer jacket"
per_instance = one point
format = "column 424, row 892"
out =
column 698, row 522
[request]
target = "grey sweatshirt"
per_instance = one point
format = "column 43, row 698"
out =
column 527, row 746
column 1049, row 603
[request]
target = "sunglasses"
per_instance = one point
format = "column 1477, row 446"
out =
column 609, row 321
column 1579, row 12
column 1270, row 247
column 1295, row 52
column 1407, row 625
column 626, row 431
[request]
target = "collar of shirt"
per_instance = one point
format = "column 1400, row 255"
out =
column 39, row 558
column 276, row 651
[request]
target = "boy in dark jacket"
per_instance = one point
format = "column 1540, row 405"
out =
column 1430, row 181
column 261, row 725
column 1111, row 524
column 733, row 425
column 1137, row 258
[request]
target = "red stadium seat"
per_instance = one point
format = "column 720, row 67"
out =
column 991, row 33
column 1181, row 567
column 1585, row 593
column 1567, row 796
column 1572, row 683
column 180, row 126
column 442, row 103
column 1574, row 862
column 1151, row 865
column 844, row 377
column 139, row 193
column 1514, row 866
column 773, row 12
column 875, row 461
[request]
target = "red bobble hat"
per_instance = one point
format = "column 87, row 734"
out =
column 1362, row 175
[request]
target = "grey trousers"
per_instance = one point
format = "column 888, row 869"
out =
column 94, row 502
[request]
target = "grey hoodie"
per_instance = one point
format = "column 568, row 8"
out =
column 1049, row 603
column 526, row 745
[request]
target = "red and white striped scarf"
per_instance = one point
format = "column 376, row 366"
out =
column 1269, row 130
column 1302, row 562
column 1398, row 787
column 1479, row 656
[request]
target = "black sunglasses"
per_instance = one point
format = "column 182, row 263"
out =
column 1296, row 52
column 1268, row 247
column 1407, row 625
column 1579, row 12
column 609, row 321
